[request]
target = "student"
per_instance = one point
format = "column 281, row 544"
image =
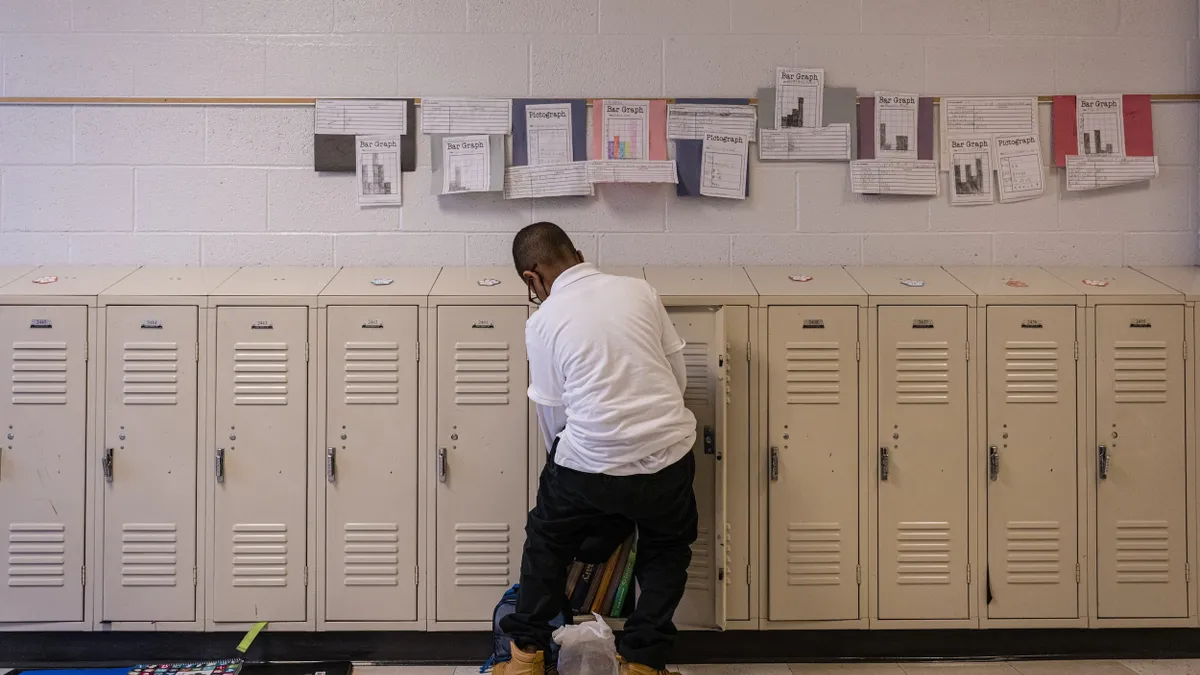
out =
column 607, row 375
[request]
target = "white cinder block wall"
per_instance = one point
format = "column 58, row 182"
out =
column 234, row 185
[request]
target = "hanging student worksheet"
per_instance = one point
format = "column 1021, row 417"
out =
column 895, row 126
column 466, row 164
column 548, row 134
column 971, row 171
column 1100, row 121
column 626, row 130
column 799, row 97
column 723, row 166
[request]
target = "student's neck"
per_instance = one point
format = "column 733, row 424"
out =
column 558, row 272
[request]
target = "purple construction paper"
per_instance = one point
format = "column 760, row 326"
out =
column 689, row 153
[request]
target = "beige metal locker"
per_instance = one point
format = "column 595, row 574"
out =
column 149, row 430
column 815, row 502
column 712, row 310
column 47, row 322
column 1031, row 489
column 921, row 420
column 480, row 442
column 10, row 274
column 261, row 519
column 372, row 426
column 1138, row 458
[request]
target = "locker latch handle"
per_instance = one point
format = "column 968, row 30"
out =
column 331, row 464
column 1102, row 462
column 993, row 462
column 710, row 441
column 774, row 469
column 884, row 463
column 220, row 466
column 441, row 465
column 107, row 465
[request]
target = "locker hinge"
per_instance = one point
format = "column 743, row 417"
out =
column 748, row 573
column 747, row 351
column 83, row 575
column 968, row 358
column 306, row 352
column 968, row 574
column 858, row 351
column 195, row 576
column 1077, row 350
column 1185, row 350
column 418, row 352
column 1077, row 575
column 86, row 349
column 197, row 352
column 1187, row 573
column 417, row 575
column 858, row 574
column 306, row 576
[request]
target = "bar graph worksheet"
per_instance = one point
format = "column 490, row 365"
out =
column 799, row 97
column 467, row 164
column 1019, row 167
column 971, row 171
column 895, row 126
column 996, row 115
column 626, row 129
column 1100, row 123
column 377, row 163
column 362, row 117
column 466, row 116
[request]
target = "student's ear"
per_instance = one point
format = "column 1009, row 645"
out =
column 579, row 255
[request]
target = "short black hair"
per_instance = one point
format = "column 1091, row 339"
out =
column 541, row 243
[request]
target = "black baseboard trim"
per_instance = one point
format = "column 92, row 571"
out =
column 27, row 650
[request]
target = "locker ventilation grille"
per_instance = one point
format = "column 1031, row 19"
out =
column 1143, row 548
column 923, row 553
column 148, row 554
column 37, row 554
column 150, row 373
column 813, row 373
column 372, row 554
column 372, row 373
column 700, row 569
column 814, row 554
column 1031, row 372
column 260, row 373
column 482, row 554
column 1140, row 372
column 1033, row 552
column 923, row 372
column 481, row 373
column 39, row 373
column 695, row 358
column 260, row 554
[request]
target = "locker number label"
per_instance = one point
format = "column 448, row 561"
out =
column 373, row 323
column 1140, row 323
column 1031, row 323
column 262, row 324
column 922, row 323
column 814, row 323
column 152, row 324
column 483, row 324
column 41, row 323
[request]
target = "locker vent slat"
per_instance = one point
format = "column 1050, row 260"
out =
column 923, row 553
column 260, row 373
column 372, row 373
column 699, row 571
column 1033, row 552
column 39, row 373
column 695, row 360
column 1030, row 372
column 260, row 554
column 923, row 372
column 1143, row 552
column 371, row 554
column 150, row 373
column 149, row 554
column 813, row 373
column 814, row 554
column 37, row 554
column 481, row 373
column 482, row 554
column 1140, row 372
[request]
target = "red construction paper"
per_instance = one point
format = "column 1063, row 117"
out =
column 1139, row 127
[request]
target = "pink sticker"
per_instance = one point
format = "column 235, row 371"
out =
column 800, row 277
column 45, row 280
column 1016, row 283
column 1095, row 282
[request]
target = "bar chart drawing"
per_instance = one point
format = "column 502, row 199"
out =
column 1100, row 134
column 970, row 178
column 375, row 170
column 799, row 106
column 465, row 174
column 624, row 141
column 897, row 130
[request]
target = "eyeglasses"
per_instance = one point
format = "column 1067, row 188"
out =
column 533, row 298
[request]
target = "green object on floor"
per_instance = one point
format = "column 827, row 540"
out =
column 250, row 635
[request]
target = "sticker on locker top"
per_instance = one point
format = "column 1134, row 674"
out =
column 373, row 323
column 1031, row 323
column 814, row 323
column 1016, row 283
column 382, row 281
column 922, row 323
column 912, row 283
column 800, row 277
column 41, row 323
column 1099, row 283
column 1140, row 323
column 262, row 324
column 152, row 324
column 489, row 282
column 45, row 280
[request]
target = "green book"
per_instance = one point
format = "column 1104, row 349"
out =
column 626, row 583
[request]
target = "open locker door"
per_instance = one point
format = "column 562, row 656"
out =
column 720, row 499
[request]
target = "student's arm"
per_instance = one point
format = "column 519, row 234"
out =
column 552, row 420
column 679, row 369
column 672, row 346
column 545, row 386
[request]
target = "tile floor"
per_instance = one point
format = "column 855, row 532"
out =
column 1014, row 668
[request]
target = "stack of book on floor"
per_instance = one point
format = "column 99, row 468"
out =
column 607, row 588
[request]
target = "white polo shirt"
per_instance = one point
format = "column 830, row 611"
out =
column 598, row 347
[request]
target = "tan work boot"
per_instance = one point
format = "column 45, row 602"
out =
column 626, row 668
column 522, row 663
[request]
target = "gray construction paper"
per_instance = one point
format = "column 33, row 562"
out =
column 840, row 105
column 496, row 155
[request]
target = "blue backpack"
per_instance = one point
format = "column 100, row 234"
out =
column 501, row 651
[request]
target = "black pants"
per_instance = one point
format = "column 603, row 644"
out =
column 572, row 507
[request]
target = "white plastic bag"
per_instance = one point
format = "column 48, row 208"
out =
column 587, row 649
